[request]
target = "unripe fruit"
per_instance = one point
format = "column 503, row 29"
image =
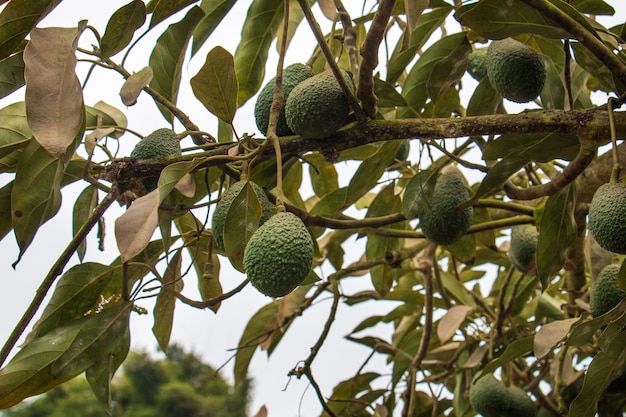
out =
column 605, row 294
column 279, row 255
column 607, row 217
column 523, row 247
column 515, row 70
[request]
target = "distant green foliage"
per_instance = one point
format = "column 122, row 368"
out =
column 179, row 385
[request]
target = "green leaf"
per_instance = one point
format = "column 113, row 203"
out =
column 369, row 172
column 215, row 84
column 418, row 192
column 387, row 94
column 18, row 18
column 11, row 74
column 583, row 332
column 516, row 349
column 535, row 147
column 162, row 9
column 606, row 365
column 77, row 293
column 63, row 353
column 242, row 219
column 257, row 34
column 6, row 224
column 54, row 96
column 255, row 333
column 588, row 61
column 168, row 57
column 166, row 301
column 489, row 19
column 557, row 231
column 14, row 131
column 84, row 205
column 36, row 194
column 424, row 28
column 214, row 12
column 377, row 246
column 499, row 173
column 121, row 27
column 550, row 334
column 423, row 79
column 485, row 99
column 595, row 7
column 324, row 178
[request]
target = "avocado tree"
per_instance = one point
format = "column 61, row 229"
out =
column 433, row 224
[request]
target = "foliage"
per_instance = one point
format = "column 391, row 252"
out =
column 459, row 311
column 147, row 387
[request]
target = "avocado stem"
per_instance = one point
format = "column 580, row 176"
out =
column 616, row 166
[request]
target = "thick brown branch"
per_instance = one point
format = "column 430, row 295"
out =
column 369, row 52
column 569, row 174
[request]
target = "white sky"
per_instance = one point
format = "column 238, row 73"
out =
column 201, row 331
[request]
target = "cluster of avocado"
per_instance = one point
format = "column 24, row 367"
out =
column 315, row 106
column 605, row 292
column 491, row 398
column 161, row 143
column 606, row 217
column 515, row 70
column 523, row 247
column 279, row 255
column 441, row 220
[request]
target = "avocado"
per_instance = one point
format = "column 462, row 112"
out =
column 159, row 144
column 607, row 217
column 440, row 218
column 317, row 107
column 605, row 294
column 523, row 247
column 279, row 255
column 488, row 396
column 519, row 403
column 222, row 207
column 515, row 70
column 476, row 63
column 293, row 75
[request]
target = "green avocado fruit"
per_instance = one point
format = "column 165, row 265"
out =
column 440, row 218
column 222, row 207
column 159, row 144
column 279, row 255
column 476, row 63
column 607, row 217
column 515, row 70
column 523, row 247
column 519, row 403
column 317, row 107
column 605, row 294
column 293, row 75
column 488, row 396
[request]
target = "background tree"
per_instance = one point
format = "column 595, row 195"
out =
column 180, row 384
column 462, row 309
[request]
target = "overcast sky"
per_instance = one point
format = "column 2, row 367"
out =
column 208, row 334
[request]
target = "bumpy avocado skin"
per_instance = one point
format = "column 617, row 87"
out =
column 440, row 219
column 222, row 207
column 158, row 144
column 279, row 255
column 605, row 294
column 523, row 246
column 488, row 396
column 293, row 75
column 520, row 404
column 476, row 63
column 317, row 107
column 515, row 70
column 607, row 217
